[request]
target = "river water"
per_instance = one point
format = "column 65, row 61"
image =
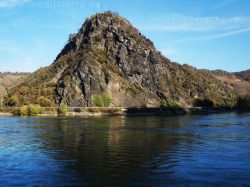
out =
column 198, row 150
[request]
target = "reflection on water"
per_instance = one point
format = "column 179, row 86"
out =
column 126, row 151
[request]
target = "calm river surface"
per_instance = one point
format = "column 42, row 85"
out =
column 201, row 150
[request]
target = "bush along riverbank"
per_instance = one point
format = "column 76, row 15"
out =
column 36, row 110
column 102, row 102
column 63, row 110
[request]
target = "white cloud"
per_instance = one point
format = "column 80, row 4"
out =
column 196, row 24
column 11, row 3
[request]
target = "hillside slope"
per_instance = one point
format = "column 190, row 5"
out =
column 8, row 80
column 108, row 55
column 238, row 80
column 245, row 75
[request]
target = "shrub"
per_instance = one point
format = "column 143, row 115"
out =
column 101, row 100
column 24, row 100
column 62, row 110
column 24, row 110
column 102, row 59
column 204, row 102
column 24, row 90
column 97, row 100
column 34, row 110
column 93, row 110
column 13, row 101
column 104, row 110
column 30, row 110
column 44, row 102
column 10, row 101
column 169, row 103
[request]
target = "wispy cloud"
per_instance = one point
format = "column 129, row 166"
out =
column 12, row 3
column 195, row 24
column 214, row 36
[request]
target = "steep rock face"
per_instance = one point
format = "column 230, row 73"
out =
column 109, row 55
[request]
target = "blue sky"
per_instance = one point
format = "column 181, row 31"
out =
column 212, row 34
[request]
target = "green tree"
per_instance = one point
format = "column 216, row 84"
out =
column 24, row 110
column 44, row 102
column 101, row 100
column 34, row 110
column 63, row 110
column 13, row 101
column 25, row 100
column 24, row 90
column 106, row 100
column 10, row 101
column 6, row 100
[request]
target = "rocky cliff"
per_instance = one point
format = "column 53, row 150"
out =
column 108, row 55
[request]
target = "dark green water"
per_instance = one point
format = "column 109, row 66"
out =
column 202, row 150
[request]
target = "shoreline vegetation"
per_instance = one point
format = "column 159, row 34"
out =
column 45, row 108
column 38, row 111
column 102, row 108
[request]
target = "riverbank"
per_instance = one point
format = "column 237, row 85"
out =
column 117, row 111
column 6, row 114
